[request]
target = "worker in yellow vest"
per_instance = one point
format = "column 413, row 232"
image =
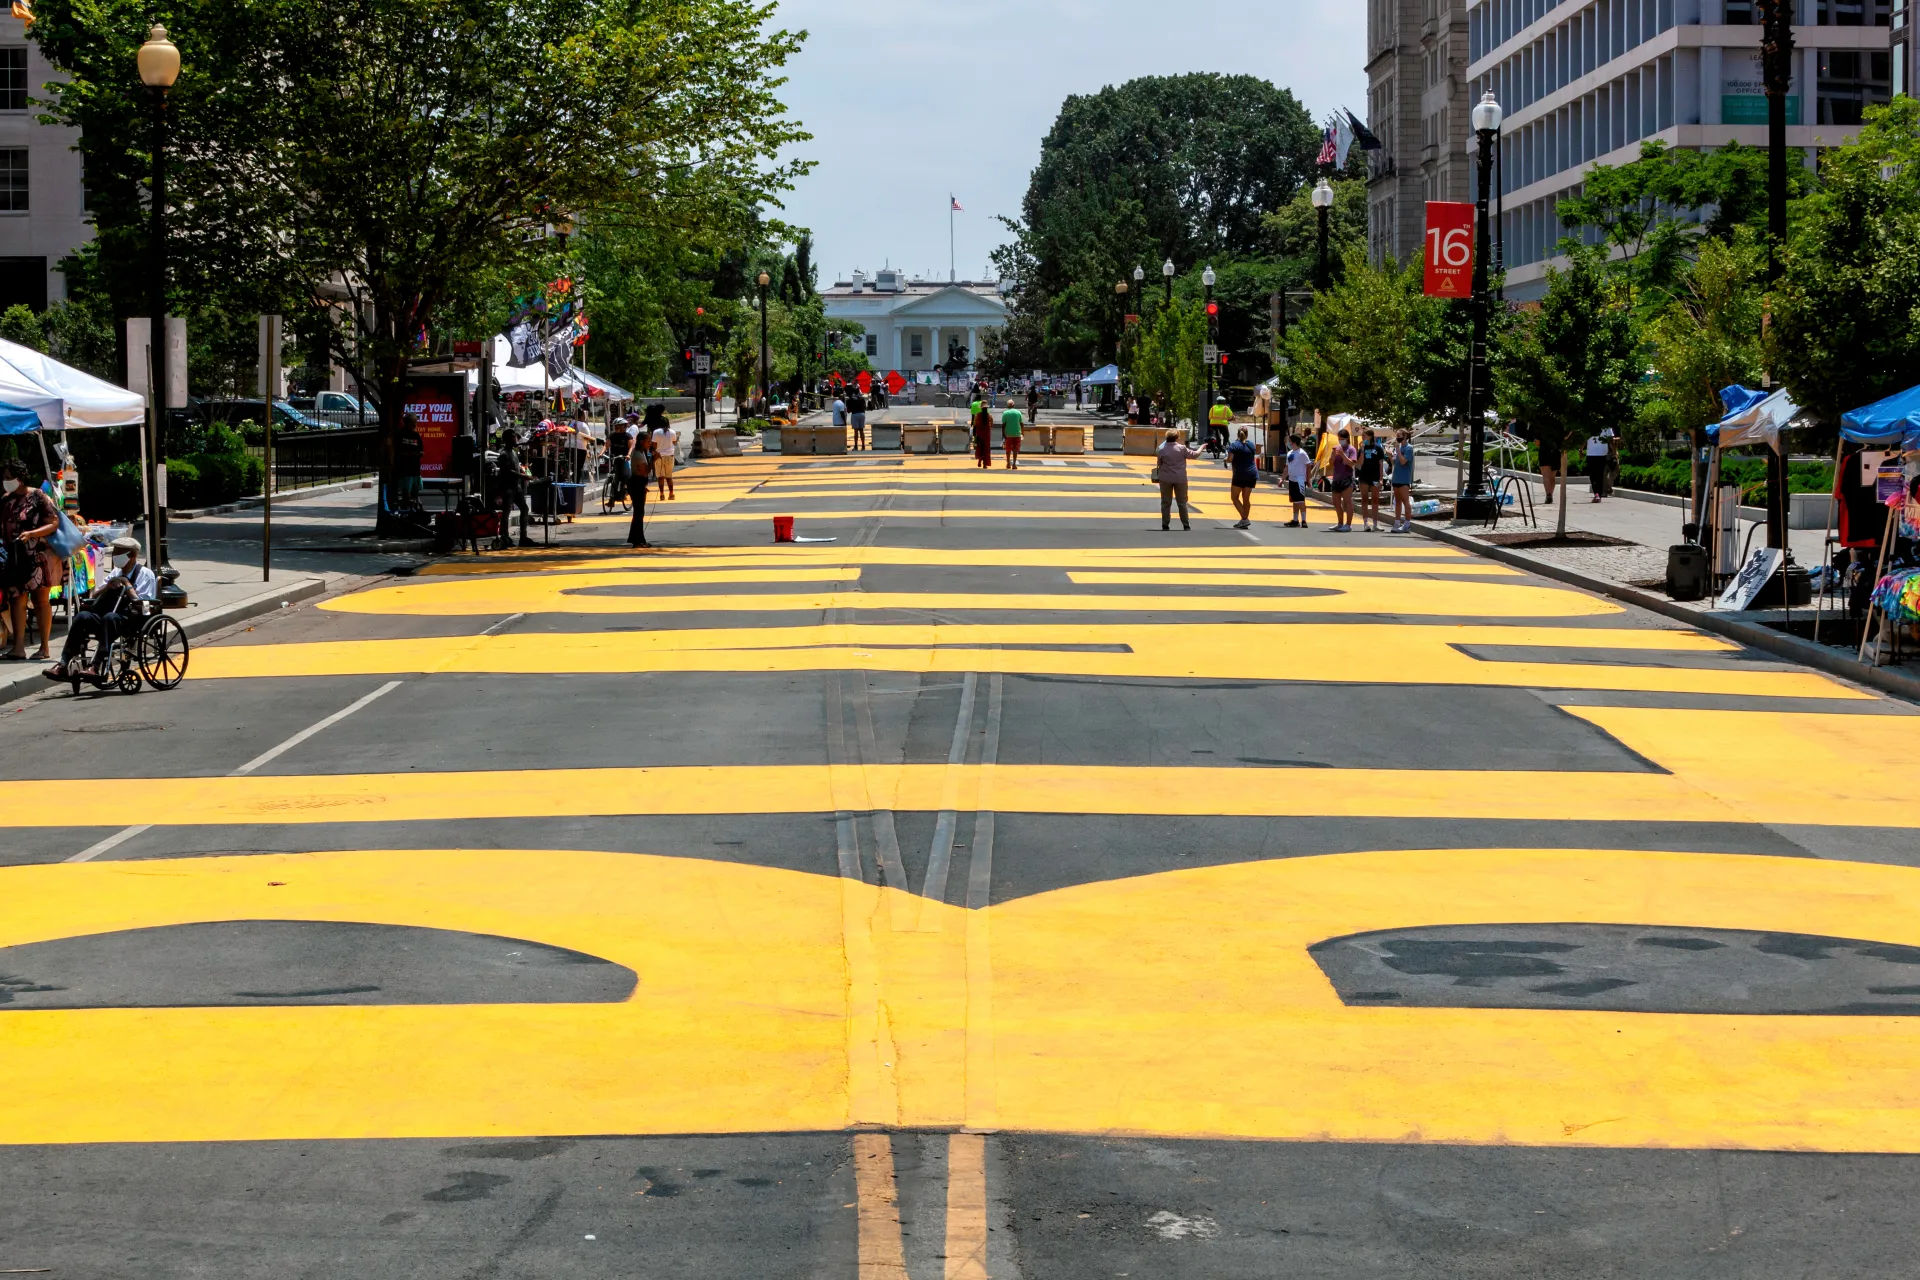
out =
column 1219, row 418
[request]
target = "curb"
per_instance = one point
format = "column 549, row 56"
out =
column 199, row 624
column 247, row 504
column 1751, row 634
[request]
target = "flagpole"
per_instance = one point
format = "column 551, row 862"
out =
column 950, row 203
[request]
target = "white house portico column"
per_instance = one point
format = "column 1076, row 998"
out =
column 973, row 346
column 934, row 354
column 897, row 340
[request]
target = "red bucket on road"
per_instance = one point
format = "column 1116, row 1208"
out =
column 783, row 528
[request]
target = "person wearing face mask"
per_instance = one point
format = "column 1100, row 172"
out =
column 107, row 610
column 27, row 519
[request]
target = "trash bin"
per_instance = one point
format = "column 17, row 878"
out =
column 783, row 528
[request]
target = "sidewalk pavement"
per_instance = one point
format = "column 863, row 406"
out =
column 1635, row 572
column 318, row 547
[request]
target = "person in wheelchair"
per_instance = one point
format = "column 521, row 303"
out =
column 112, row 610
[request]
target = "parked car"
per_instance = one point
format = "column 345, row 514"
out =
column 339, row 408
column 285, row 416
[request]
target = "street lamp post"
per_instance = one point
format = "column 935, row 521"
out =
column 1322, row 207
column 1475, row 503
column 1206, row 280
column 159, row 64
column 1120, row 303
column 1166, row 274
column 766, row 391
column 1776, row 69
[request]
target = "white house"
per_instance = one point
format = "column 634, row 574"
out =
column 916, row 324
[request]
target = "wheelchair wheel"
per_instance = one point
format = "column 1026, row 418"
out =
column 162, row 655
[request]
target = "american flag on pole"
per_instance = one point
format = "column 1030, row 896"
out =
column 956, row 205
column 1329, row 149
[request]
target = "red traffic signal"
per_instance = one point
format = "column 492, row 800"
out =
column 1213, row 308
column 1223, row 357
column 687, row 355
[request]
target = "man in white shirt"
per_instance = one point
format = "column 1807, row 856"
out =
column 1299, row 461
column 664, row 445
column 839, row 412
column 110, row 607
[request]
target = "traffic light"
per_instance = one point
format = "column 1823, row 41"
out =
column 687, row 355
column 1213, row 309
column 1223, row 357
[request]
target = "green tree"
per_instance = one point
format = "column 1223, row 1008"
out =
column 1164, row 167
column 397, row 154
column 1648, row 211
column 1844, row 331
column 1164, row 357
column 1708, row 337
column 1353, row 351
column 1571, row 369
column 19, row 323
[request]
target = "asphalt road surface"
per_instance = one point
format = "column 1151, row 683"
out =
column 1004, row 888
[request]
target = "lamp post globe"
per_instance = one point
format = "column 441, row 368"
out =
column 1166, row 274
column 1475, row 503
column 158, row 62
column 1322, row 199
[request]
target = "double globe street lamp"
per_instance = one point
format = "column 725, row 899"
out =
column 1475, row 503
column 159, row 64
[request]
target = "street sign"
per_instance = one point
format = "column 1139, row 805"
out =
column 702, row 363
column 1449, row 249
column 1210, row 353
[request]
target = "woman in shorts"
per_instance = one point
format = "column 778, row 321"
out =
column 1340, row 472
column 1372, row 467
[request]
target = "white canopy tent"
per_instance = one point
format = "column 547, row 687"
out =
column 59, row 397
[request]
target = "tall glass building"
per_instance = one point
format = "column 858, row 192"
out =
column 1584, row 82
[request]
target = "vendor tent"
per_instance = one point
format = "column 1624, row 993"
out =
column 1895, row 418
column 598, row 386
column 1104, row 377
column 38, row 393
column 1753, row 417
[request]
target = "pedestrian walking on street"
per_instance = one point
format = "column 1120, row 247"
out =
column 1403, row 481
column 1372, row 471
column 1299, row 463
column 1033, row 404
column 1245, row 461
column 1597, row 466
column 641, row 464
column 1170, row 473
column 664, row 446
column 1341, row 468
column 981, row 425
column 857, row 413
column 1613, row 459
column 1011, row 427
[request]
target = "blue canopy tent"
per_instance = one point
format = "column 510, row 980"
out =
column 1895, row 418
column 1751, row 417
column 1109, row 376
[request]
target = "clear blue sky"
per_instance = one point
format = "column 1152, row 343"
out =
column 909, row 99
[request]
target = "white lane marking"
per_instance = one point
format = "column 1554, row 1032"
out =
column 273, row 753
column 93, row 851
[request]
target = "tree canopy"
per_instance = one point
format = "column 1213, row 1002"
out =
column 1185, row 168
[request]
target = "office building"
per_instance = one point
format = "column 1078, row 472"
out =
column 1585, row 82
column 43, row 215
column 1417, row 106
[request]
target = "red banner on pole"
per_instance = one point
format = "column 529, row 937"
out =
column 865, row 381
column 1449, row 249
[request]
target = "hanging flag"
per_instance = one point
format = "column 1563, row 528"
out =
column 23, row 11
column 1362, row 135
column 1327, row 150
column 1449, row 249
column 560, row 353
column 1342, row 141
column 523, row 338
column 580, row 331
column 956, row 205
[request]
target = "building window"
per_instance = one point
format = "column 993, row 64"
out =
column 13, row 78
column 916, row 345
column 13, row 180
column 873, row 344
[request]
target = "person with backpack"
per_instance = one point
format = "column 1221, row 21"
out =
column 857, row 411
column 981, row 425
